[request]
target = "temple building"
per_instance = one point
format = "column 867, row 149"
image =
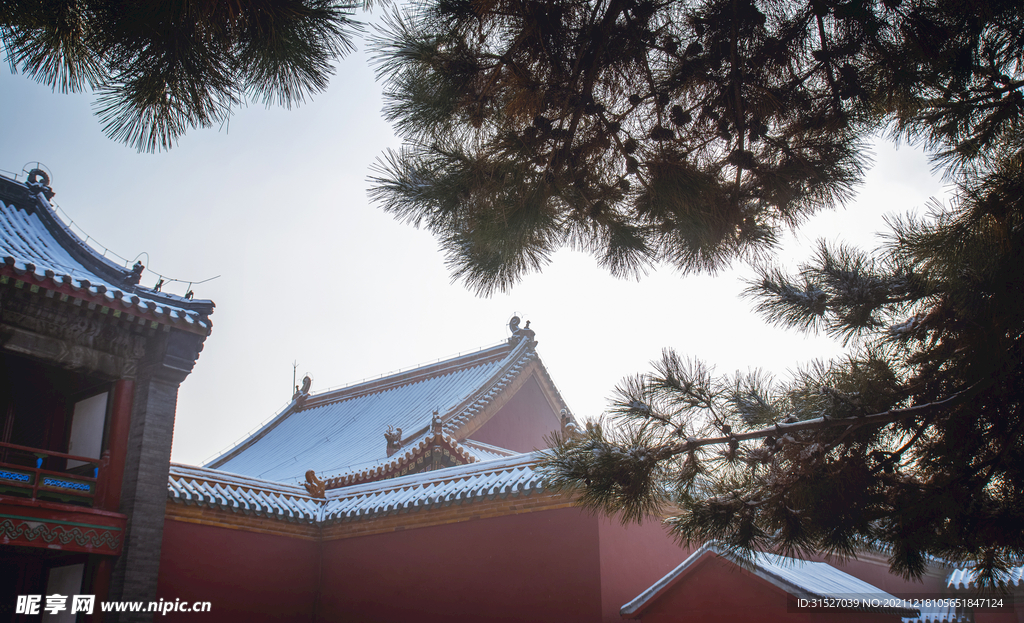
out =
column 410, row 497
column 91, row 363
column 417, row 496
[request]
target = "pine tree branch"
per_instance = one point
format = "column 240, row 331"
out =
column 885, row 417
column 898, row 454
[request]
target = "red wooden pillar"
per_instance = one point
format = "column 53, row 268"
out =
column 117, row 445
column 101, row 587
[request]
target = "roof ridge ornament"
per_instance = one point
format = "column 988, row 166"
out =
column 569, row 426
column 521, row 334
column 314, row 486
column 134, row 277
column 301, row 394
column 394, row 439
column 39, row 182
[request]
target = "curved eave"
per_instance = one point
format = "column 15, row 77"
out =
column 116, row 301
column 34, row 233
column 104, row 268
column 512, row 477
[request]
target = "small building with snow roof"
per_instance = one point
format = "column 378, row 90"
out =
column 712, row 585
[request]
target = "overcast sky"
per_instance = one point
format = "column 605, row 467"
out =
column 275, row 205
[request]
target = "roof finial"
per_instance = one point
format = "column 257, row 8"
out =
column 39, row 182
column 569, row 426
column 314, row 486
column 301, row 394
column 394, row 438
column 135, row 276
column 520, row 334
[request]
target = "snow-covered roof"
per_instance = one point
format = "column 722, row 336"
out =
column 340, row 433
column 37, row 247
column 507, row 477
column 230, row 492
column 800, row 578
column 499, row 478
column 964, row 578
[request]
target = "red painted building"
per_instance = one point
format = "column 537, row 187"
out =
column 416, row 497
column 91, row 362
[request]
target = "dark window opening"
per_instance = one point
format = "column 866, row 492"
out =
column 50, row 409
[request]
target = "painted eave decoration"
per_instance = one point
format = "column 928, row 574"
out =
column 61, row 527
column 39, row 252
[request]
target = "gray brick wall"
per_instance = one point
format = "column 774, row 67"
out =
column 144, row 490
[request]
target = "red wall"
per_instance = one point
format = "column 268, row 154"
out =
column 562, row 565
column 1011, row 615
column 247, row 576
column 522, row 423
column 541, row 566
column 632, row 559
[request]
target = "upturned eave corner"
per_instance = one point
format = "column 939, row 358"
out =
column 33, row 233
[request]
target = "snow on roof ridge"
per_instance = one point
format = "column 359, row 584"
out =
column 180, row 470
column 425, row 364
column 485, row 480
column 463, row 413
column 234, row 493
column 408, row 376
column 412, row 447
column 89, row 243
column 473, row 443
column 773, row 568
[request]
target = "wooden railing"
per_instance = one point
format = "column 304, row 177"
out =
column 29, row 472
